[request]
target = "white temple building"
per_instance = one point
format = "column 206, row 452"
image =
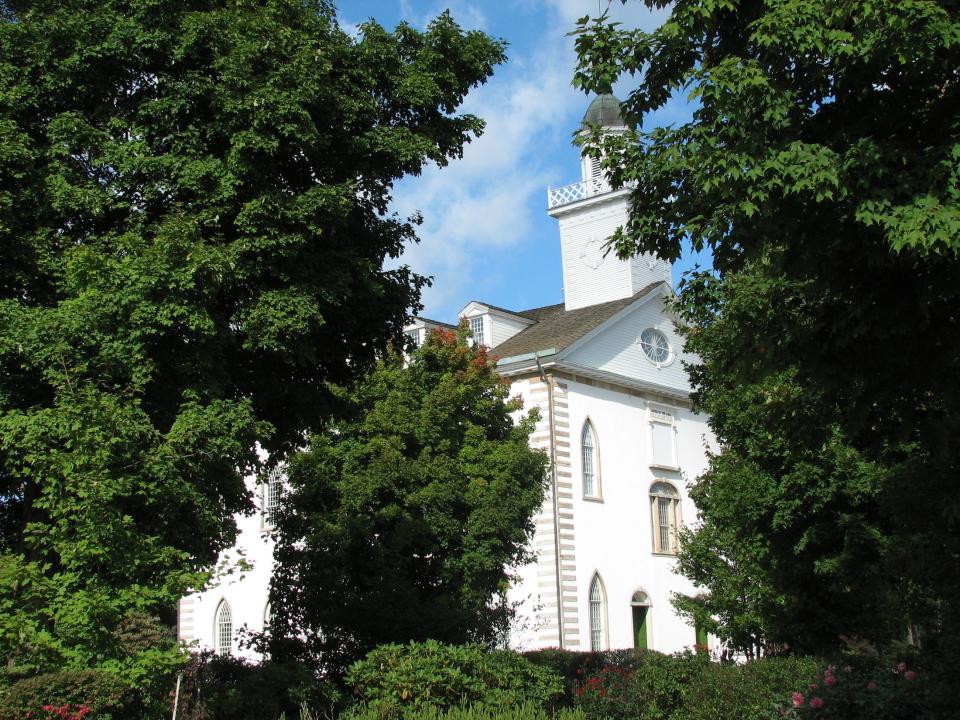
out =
column 605, row 368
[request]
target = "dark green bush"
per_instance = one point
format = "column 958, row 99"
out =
column 641, row 684
column 217, row 687
column 749, row 691
column 401, row 680
column 479, row 712
column 858, row 690
column 567, row 664
column 105, row 694
column 685, row 686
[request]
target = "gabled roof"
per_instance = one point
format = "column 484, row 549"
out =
column 494, row 308
column 557, row 329
column 428, row 321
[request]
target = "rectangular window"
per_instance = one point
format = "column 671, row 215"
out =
column 414, row 336
column 476, row 327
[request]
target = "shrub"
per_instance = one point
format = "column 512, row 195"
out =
column 217, row 687
column 752, row 689
column 861, row 691
column 103, row 693
column 479, row 712
column 401, row 680
column 641, row 684
column 570, row 665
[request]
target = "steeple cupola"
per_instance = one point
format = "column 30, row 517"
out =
column 605, row 112
column 589, row 212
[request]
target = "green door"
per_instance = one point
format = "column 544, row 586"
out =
column 701, row 637
column 640, row 627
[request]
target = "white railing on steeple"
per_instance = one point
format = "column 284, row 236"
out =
column 582, row 190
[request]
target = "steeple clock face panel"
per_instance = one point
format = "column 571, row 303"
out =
column 592, row 254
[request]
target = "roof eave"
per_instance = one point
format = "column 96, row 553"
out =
column 519, row 363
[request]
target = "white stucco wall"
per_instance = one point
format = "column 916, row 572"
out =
column 246, row 591
column 614, row 536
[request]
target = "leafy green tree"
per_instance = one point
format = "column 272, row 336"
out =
column 193, row 230
column 821, row 168
column 402, row 519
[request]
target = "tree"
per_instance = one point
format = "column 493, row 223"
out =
column 402, row 519
column 193, row 229
column 821, row 169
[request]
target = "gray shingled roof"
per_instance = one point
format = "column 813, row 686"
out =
column 557, row 329
column 435, row 322
column 604, row 111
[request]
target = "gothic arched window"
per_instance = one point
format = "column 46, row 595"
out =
column 665, row 513
column 598, row 614
column 223, row 629
column 590, row 461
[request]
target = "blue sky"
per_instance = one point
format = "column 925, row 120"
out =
column 486, row 234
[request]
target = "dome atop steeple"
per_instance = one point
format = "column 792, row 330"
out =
column 604, row 111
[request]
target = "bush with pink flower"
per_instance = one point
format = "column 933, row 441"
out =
column 868, row 691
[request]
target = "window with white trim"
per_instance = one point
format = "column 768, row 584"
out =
column 590, row 461
column 663, row 438
column 415, row 336
column 598, row 614
column 272, row 490
column 665, row 513
column 223, row 629
column 476, row 327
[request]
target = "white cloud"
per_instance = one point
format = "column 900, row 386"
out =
column 481, row 208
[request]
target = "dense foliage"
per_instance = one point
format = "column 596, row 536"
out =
column 861, row 692
column 821, row 168
column 525, row 711
column 100, row 693
column 192, row 245
column 403, row 517
column 221, row 687
column 402, row 681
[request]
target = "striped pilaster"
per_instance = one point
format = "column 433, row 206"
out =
column 544, row 540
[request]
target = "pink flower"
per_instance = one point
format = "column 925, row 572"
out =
column 813, row 686
column 871, row 685
column 829, row 681
column 816, row 703
column 797, row 700
column 901, row 667
column 910, row 675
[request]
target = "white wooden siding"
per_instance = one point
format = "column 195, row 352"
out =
column 590, row 278
column 502, row 328
column 616, row 349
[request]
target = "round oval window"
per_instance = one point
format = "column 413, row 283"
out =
column 655, row 345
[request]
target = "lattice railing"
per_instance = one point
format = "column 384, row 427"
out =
column 576, row 191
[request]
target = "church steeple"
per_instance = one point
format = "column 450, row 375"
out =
column 589, row 212
column 605, row 112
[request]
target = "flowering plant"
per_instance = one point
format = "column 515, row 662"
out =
column 868, row 692
column 605, row 693
column 67, row 711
